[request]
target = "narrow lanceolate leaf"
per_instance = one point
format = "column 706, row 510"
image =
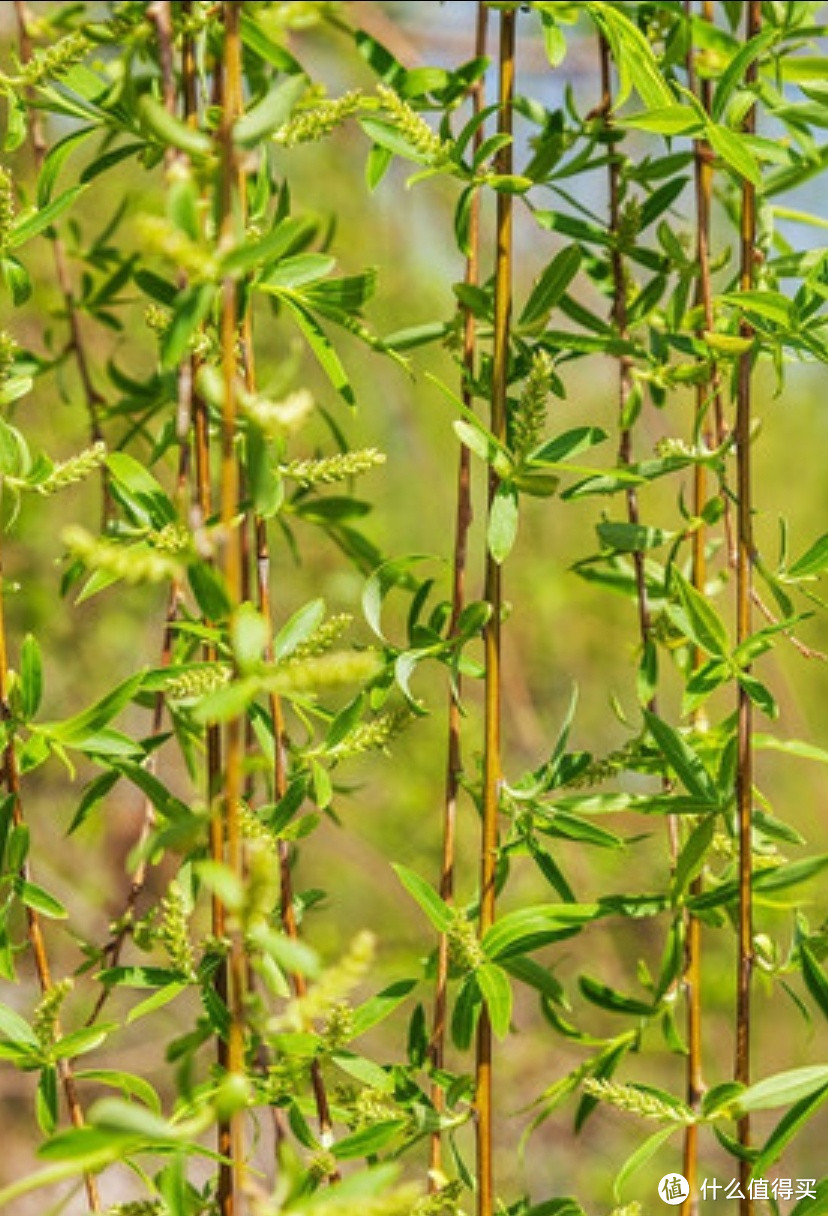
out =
column 634, row 59
column 31, row 677
column 97, row 716
column 321, row 346
column 496, row 990
column 687, row 766
column 527, row 929
column 788, row 1127
column 610, row 999
column 33, row 225
column 813, row 560
column 735, row 152
column 171, row 131
column 782, row 1089
column 269, row 113
column 698, row 619
column 425, row 895
column 503, row 522
column 815, row 978
column 550, row 287
column 639, row 1158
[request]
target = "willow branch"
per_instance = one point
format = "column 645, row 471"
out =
column 34, row 927
column 492, row 770
column 708, row 390
column 279, row 770
column 231, row 1173
column 463, row 519
column 744, row 771
column 626, row 383
column 76, row 346
column 160, row 14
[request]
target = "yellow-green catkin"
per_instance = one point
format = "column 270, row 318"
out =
column 527, row 420
column 628, row 1209
column 324, row 671
column 46, row 1018
column 55, row 61
column 339, row 1026
column 331, row 469
column 372, row 736
column 133, row 563
column 322, row 639
column 465, row 951
column 276, row 418
column 332, row 988
column 637, row 1101
column 315, row 123
column 77, row 468
column 172, row 538
column 7, row 208
column 444, row 1202
column 202, row 680
column 413, row 127
column 372, row 1106
column 8, row 354
column 174, row 930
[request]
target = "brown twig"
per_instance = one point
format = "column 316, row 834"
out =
column 76, row 345
column 492, row 770
column 159, row 13
column 626, row 384
column 34, row 928
column 702, row 157
column 279, row 770
column 231, row 1173
column 744, row 770
column 463, row 519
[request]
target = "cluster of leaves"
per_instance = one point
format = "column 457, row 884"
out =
column 309, row 702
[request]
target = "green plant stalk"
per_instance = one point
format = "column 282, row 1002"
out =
column 625, row 383
column 231, row 1173
column 492, row 767
column 708, row 394
column 34, row 927
column 287, row 910
column 463, row 518
column 745, row 550
column 76, row 345
column 160, row 14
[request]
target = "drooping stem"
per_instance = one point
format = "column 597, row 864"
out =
column 34, row 928
column 744, row 771
column 76, row 345
column 231, row 1175
column 708, row 394
column 626, row 383
column 463, row 517
column 484, row 1099
column 161, row 16
column 279, row 769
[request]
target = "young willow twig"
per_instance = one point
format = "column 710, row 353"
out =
column 279, row 769
column 160, row 14
column 626, row 385
column 76, row 345
column 484, row 1100
column 463, row 518
column 34, row 927
column 744, row 771
column 707, row 393
column 232, row 1172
